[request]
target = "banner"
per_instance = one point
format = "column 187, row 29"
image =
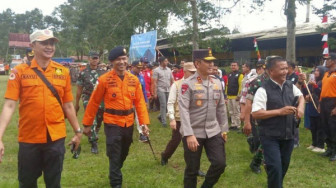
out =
column 143, row 46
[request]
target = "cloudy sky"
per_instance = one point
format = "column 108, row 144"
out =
column 271, row 16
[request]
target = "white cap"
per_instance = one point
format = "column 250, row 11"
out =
column 42, row 35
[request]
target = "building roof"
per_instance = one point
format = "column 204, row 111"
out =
column 18, row 40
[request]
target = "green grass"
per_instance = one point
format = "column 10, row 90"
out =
column 140, row 170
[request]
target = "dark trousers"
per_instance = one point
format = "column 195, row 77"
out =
column 215, row 150
column 329, row 122
column 118, row 142
column 173, row 142
column 255, row 134
column 277, row 154
column 33, row 159
column 316, row 131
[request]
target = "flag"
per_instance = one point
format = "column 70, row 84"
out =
column 325, row 37
column 325, row 19
column 256, row 48
column 326, row 51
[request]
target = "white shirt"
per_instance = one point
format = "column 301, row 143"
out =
column 172, row 99
column 260, row 98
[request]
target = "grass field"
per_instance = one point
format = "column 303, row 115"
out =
column 140, row 170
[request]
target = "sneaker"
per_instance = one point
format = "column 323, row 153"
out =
column 94, row 148
column 234, row 128
column 143, row 138
column 164, row 125
column 311, row 147
column 318, row 150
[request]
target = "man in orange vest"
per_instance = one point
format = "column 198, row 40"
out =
column 120, row 91
column 42, row 129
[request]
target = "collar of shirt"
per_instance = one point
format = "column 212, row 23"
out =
column 163, row 68
column 34, row 64
column 280, row 85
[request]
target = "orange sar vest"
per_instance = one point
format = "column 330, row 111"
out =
column 119, row 98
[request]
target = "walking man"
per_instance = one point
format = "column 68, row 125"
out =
column 203, row 121
column 120, row 91
column 86, row 81
column 274, row 105
column 42, row 129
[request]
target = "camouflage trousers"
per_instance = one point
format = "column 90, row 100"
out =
column 96, row 123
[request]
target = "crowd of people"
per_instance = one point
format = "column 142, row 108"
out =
column 265, row 101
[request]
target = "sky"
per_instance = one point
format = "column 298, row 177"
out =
column 271, row 15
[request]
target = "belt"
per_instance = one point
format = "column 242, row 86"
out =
column 119, row 112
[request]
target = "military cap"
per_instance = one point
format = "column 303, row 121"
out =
column 203, row 54
column 136, row 63
column 332, row 55
column 29, row 52
column 116, row 52
column 93, row 54
column 261, row 63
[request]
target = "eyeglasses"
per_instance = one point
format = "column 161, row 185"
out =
column 95, row 58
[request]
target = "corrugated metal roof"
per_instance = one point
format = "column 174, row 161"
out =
column 18, row 40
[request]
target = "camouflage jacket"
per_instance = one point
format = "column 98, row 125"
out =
column 255, row 84
column 88, row 79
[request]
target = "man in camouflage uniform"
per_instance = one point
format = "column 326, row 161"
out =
column 250, row 125
column 86, row 82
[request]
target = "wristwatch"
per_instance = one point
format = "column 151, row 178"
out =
column 79, row 130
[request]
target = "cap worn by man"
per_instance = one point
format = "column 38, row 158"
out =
column 261, row 63
column 116, row 52
column 29, row 52
column 42, row 35
column 93, row 54
column 189, row 66
column 203, row 54
column 136, row 63
column 144, row 60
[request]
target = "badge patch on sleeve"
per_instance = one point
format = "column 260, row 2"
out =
column 12, row 76
column 184, row 88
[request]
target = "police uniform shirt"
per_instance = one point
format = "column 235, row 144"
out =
column 202, row 107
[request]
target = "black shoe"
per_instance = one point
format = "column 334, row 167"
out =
column 332, row 157
column 206, row 185
column 201, row 174
column 163, row 161
column 159, row 118
column 164, row 125
column 327, row 153
column 255, row 168
column 143, row 138
column 116, row 186
column 234, row 128
column 94, row 148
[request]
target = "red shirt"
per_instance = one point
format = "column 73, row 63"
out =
column 147, row 74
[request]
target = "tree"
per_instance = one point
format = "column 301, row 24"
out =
column 290, row 42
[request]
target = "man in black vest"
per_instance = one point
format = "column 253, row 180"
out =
column 274, row 107
column 233, row 89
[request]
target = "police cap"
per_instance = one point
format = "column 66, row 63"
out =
column 116, row 52
column 203, row 54
column 93, row 54
column 136, row 63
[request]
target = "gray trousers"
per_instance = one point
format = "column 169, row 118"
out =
column 163, row 98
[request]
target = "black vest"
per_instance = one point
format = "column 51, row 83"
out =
column 280, row 127
column 233, row 85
